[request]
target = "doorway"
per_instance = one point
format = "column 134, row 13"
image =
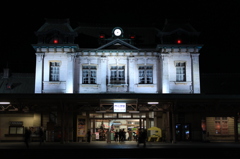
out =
column 183, row 132
column 99, row 128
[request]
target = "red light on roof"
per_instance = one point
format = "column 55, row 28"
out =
column 55, row 41
column 179, row 41
column 132, row 37
column 101, row 36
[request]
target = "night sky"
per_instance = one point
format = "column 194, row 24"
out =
column 218, row 22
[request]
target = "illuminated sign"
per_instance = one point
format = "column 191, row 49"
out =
column 119, row 107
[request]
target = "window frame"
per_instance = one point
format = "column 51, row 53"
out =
column 221, row 125
column 16, row 130
column 89, row 70
column 54, row 71
column 117, row 79
column 145, row 76
column 180, row 71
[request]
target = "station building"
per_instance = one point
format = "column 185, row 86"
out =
column 105, row 77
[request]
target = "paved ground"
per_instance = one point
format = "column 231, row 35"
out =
column 127, row 149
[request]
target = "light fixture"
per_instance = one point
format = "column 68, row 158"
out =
column 100, row 111
column 4, row 102
column 133, row 111
column 102, row 36
column 179, row 41
column 55, row 41
column 152, row 102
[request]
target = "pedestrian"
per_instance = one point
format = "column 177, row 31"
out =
column 116, row 136
column 41, row 135
column 137, row 134
column 130, row 135
column 142, row 137
column 127, row 136
column 120, row 135
column 124, row 135
column 134, row 135
column 88, row 136
column 108, row 136
column 27, row 136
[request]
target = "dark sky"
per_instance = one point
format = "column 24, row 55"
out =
column 218, row 22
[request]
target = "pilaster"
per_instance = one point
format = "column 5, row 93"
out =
column 70, row 73
column 195, row 73
column 103, row 74
column 165, row 72
column 39, row 72
column 131, row 73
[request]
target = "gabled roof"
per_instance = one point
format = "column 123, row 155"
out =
column 18, row 82
column 118, row 44
column 62, row 25
column 175, row 25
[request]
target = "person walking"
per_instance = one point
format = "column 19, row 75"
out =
column 108, row 136
column 27, row 136
column 116, row 136
column 127, row 136
column 142, row 137
column 41, row 135
column 123, row 135
column 88, row 136
column 120, row 135
column 130, row 135
column 137, row 134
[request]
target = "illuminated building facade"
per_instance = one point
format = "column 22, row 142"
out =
column 103, row 77
column 116, row 65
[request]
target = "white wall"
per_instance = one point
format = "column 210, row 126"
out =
column 164, row 72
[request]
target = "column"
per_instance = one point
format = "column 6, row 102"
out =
column 39, row 72
column 165, row 73
column 168, row 131
column 195, row 73
column 131, row 73
column 173, row 128
column 236, row 127
column 102, row 74
column 70, row 73
column 147, row 120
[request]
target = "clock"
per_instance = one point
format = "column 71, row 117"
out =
column 117, row 32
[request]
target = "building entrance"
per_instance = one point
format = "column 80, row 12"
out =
column 128, row 126
column 115, row 122
column 183, row 132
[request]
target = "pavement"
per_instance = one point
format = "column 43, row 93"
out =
column 120, row 150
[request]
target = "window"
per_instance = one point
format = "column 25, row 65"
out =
column 54, row 71
column 117, row 75
column 180, row 71
column 89, row 75
column 145, row 74
column 16, row 130
column 221, row 125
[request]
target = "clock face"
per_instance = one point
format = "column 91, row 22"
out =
column 117, row 32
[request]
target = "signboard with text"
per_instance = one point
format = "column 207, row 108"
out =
column 81, row 126
column 119, row 107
